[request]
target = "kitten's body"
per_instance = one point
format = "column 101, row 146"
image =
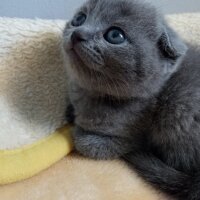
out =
column 142, row 102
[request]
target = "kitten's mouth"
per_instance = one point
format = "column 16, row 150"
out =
column 86, row 56
column 75, row 56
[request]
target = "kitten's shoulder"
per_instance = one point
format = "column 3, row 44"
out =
column 183, row 88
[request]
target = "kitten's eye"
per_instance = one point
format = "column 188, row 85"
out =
column 79, row 19
column 115, row 36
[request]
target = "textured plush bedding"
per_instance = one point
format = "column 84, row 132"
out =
column 33, row 98
column 33, row 88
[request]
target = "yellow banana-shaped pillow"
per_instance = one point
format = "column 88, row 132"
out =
column 20, row 164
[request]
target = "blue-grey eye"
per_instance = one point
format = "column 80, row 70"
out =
column 79, row 19
column 115, row 36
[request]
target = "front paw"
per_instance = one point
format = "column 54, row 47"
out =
column 97, row 145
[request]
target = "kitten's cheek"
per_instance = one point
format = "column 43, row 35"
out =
column 94, row 146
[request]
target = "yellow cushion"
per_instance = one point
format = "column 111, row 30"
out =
column 19, row 164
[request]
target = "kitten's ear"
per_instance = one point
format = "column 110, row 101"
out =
column 172, row 49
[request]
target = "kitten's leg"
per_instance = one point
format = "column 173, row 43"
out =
column 163, row 177
column 98, row 145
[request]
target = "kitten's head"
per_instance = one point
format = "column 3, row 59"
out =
column 121, row 48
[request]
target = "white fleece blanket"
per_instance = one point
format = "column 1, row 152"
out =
column 33, row 88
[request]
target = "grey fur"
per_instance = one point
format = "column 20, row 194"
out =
column 140, row 99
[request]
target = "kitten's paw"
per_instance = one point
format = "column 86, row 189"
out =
column 70, row 114
column 97, row 145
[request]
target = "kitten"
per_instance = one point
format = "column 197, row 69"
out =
column 135, row 89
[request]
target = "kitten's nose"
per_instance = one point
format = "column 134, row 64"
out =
column 80, row 35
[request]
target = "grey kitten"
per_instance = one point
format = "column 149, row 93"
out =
column 135, row 92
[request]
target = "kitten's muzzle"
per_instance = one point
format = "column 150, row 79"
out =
column 80, row 35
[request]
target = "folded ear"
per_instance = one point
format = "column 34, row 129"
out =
column 172, row 49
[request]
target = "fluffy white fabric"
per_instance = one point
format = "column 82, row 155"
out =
column 187, row 25
column 33, row 88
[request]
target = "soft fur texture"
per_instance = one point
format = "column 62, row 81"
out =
column 135, row 88
column 33, row 88
column 99, row 180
